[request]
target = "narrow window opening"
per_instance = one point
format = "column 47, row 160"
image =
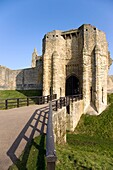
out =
column 91, row 94
column 68, row 109
column 50, row 91
column 86, row 29
column 60, row 91
column 102, row 95
column 94, row 28
column 56, row 35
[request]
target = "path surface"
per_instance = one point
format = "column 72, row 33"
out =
column 17, row 127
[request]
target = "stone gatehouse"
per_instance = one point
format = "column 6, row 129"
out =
column 77, row 61
column 72, row 62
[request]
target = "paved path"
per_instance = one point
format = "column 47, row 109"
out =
column 17, row 127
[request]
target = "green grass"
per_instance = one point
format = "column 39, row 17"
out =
column 4, row 94
column 85, row 153
column 81, row 152
column 100, row 126
column 89, row 147
column 13, row 94
column 33, row 157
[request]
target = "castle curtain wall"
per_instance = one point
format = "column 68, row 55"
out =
column 24, row 79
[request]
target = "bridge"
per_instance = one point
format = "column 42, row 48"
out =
column 20, row 125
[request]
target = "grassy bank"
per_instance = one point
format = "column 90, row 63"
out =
column 85, row 153
column 14, row 94
column 100, row 126
column 4, row 94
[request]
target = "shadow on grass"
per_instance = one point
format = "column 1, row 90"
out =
column 29, row 93
column 24, row 162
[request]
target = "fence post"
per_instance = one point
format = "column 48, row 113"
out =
column 56, row 105
column 64, row 102
column 44, row 99
column 39, row 100
column 60, row 103
column 55, row 96
column 6, row 104
column 27, row 101
column 17, row 102
column 47, row 98
column 50, row 148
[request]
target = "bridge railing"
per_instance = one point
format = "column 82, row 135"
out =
column 18, row 102
column 50, row 147
column 65, row 101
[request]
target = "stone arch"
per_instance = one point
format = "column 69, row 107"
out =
column 72, row 85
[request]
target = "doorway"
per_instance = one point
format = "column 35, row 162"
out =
column 72, row 85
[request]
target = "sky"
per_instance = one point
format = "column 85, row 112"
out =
column 24, row 23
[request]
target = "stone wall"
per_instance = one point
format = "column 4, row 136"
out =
column 30, row 78
column 59, row 125
column 63, row 121
column 7, row 79
column 76, row 110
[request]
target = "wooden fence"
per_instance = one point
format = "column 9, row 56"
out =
column 19, row 102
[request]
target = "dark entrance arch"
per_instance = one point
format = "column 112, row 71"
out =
column 72, row 85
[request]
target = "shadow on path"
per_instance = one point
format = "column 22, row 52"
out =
column 35, row 125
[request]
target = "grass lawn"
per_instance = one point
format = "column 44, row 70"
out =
column 14, row 94
column 89, row 147
column 4, row 94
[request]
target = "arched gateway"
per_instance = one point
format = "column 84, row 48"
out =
column 72, row 85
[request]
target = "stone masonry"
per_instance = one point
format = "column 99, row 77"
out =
column 25, row 79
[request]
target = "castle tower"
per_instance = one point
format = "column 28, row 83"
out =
column 34, row 58
column 77, row 61
column 53, row 64
column 95, row 69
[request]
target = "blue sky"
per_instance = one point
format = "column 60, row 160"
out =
column 23, row 24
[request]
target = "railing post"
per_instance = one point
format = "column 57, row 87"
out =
column 56, row 105
column 6, row 104
column 47, row 98
column 27, row 101
column 50, row 148
column 18, row 102
column 60, row 103
column 44, row 99
column 55, row 96
column 39, row 100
